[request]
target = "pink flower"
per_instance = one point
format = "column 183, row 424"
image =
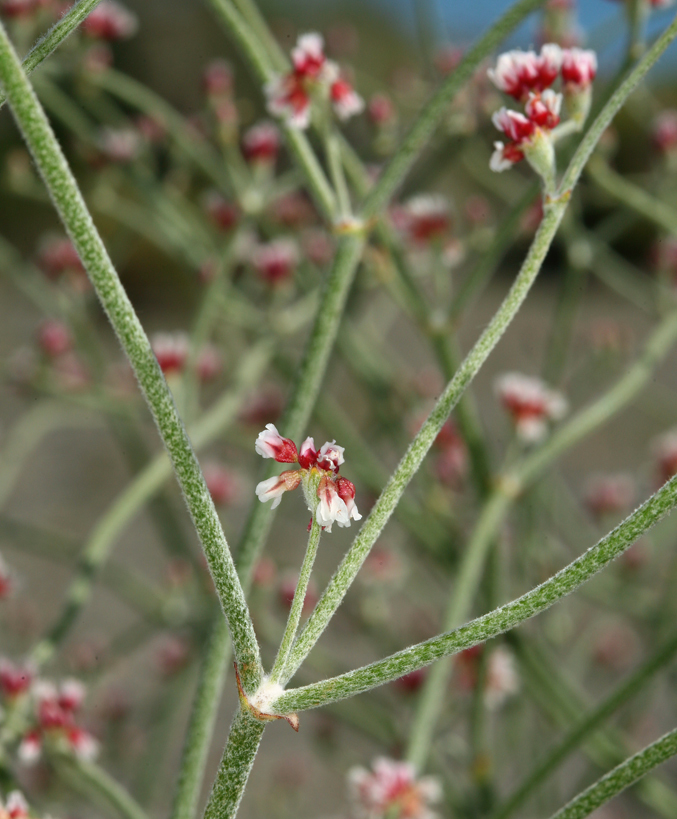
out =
column 224, row 214
column 16, row 806
column 514, row 125
column 56, row 255
column 531, row 403
column 331, row 507
column 222, row 484
column 275, row 487
column 261, row 143
column 502, row 680
column 346, row 101
column 276, row 260
column 171, row 351
column 6, row 579
column 308, row 454
column 15, row 680
column 21, row 8
column 208, row 364
column 217, row 78
column 121, row 145
column 54, row 338
column 664, row 131
column 381, row 109
column 606, row 494
column 665, row 449
column 270, row 444
column 392, row 790
column 517, row 73
column 579, row 67
column 110, row 21
column 30, row 748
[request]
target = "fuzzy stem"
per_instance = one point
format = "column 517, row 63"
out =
column 620, row 778
column 132, row 499
column 427, row 121
column 585, row 726
column 202, row 720
column 238, row 759
column 492, row 624
column 297, row 604
column 408, row 466
column 47, row 44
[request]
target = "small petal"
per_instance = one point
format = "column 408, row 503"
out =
column 308, row 454
column 275, row 487
column 270, row 444
column 330, row 456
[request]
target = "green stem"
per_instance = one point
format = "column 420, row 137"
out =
column 620, row 778
column 411, row 461
column 132, row 499
column 202, row 720
column 47, row 44
column 297, row 604
column 585, row 726
column 427, row 121
column 238, row 759
column 490, row 625
column 632, row 196
column 88, row 777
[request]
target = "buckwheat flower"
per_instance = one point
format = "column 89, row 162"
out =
column 664, row 131
column 345, row 100
column 531, row 403
column 261, row 143
column 217, row 79
column 270, row 444
column 307, row 454
column 289, row 100
column 171, row 351
column 56, row 255
column 30, row 748
column 331, row 507
column 425, row 217
column 110, row 21
column 608, row 494
column 276, row 260
column 16, row 806
column 517, row 73
column 330, row 456
column 223, row 214
column 308, row 55
column 83, row 745
column 15, row 680
column 392, row 791
column 579, row 67
column 54, row 338
column 20, row 8
column 381, row 110
column 275, row 487
column 121, row 145
column 223, row 486
column 502, row 680
column 543, row 109
column 208, row 364
column 346, row 491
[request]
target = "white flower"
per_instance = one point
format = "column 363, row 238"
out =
column 330, row 507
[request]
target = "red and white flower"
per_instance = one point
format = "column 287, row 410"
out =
column 665, row 449
column 664, row 131
column 6, row 579
column 223, row 486
column 543, row 109
column 392, row 790
column 531, row 403
column 110, row 21
column 54, row 338
column 330, row 497
column 345, row 100
column 424, row 218
column 276, row 260
column 15, row 807
column 308, row 56
column 502, row 679
column 270, row 444
column 518, row 73
column 15, row 680
column 607, row 494
column 261, row 143
column 579, row 67
column 171, row 351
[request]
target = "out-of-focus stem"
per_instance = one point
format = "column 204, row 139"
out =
column 90, row 778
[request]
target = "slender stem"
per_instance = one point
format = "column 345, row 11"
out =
column 132, row 499
column 490, row 625
column 202, row 720
column 47, row 44
column 89, row 777
column 411, row 461
column 427, row 121
column 238, row 759
column 632, row 196
column 297, row 604
column 620, row 778
column 585, row 726
column 432, row 696
column 333, row 151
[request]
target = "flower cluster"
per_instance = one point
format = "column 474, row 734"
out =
column 55, row 722
column 290, row 96
column 172, row 349
column 392, row 790
column 330, row 496
column 531, row 404
column 528, row 77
